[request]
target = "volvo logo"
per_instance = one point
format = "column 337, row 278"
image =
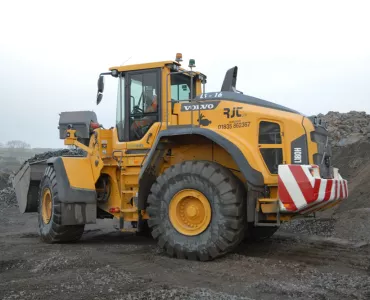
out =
column 200, row 106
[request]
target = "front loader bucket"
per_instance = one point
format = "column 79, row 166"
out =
column 26, row 184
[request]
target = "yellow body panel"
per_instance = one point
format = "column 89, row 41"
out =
column 79, row 172
column 243, row 131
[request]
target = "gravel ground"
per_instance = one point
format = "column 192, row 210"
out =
column 112, row 265
column 322, row 227
column 353, row 225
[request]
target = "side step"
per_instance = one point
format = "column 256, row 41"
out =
column 267, row 206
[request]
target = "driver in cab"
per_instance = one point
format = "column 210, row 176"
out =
column 140, row 126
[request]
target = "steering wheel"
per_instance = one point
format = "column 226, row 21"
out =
column 137, row 110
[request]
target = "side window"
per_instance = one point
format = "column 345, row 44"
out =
column 144, row 102
column 180, row 92
column 270, row 134
column 181, row 86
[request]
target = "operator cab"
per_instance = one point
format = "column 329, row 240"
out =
column 142, row 97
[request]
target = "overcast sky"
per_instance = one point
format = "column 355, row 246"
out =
column 312, row 56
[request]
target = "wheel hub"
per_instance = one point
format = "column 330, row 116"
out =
column 190, row 212
column 46, row 206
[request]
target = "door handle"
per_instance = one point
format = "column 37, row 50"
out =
column 148, row 138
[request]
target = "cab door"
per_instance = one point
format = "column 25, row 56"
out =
column 142, row 113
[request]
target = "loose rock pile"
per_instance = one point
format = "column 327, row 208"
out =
column 4, row 179
column 347, row 128
column 62, row 152
column 7, row 198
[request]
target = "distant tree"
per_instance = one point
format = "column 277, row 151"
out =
column 1, row 145
column 15, row 144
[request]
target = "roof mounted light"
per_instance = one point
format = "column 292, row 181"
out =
column 191, row 63
column 178, row 57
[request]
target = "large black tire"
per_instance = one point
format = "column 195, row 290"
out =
column 53, row 231
column 225, row 194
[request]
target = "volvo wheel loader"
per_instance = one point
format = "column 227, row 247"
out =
column 201, row 171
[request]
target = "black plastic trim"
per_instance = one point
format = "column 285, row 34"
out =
column 300, row 148
column 137, row 151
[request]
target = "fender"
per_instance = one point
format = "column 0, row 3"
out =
column 76, row 189
column 252, row 176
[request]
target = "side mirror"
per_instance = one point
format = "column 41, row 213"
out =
column 101, row 84
column 99, row 97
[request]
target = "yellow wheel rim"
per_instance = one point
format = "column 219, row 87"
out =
column 46, row 206
column 190, row 212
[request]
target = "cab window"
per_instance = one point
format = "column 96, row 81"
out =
column 270, row 134
column 180, row 87
column 143, row 97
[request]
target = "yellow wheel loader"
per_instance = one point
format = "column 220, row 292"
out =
column 201, row 171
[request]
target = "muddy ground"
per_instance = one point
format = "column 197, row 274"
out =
column 107, row 264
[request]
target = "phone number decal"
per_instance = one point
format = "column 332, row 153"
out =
column 234, row 125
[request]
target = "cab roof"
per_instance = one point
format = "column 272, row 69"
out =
column 143, row 66
column 152, row 65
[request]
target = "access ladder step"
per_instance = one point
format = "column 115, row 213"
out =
column 267, row 200
column 131, row 173
column 129, row 192
column 129, row 230
column 129, row 210
column 267, row 206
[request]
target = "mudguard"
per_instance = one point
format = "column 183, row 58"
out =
column 252, row 176
column 76, row 189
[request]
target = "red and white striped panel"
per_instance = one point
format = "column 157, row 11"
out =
column 300, row 191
